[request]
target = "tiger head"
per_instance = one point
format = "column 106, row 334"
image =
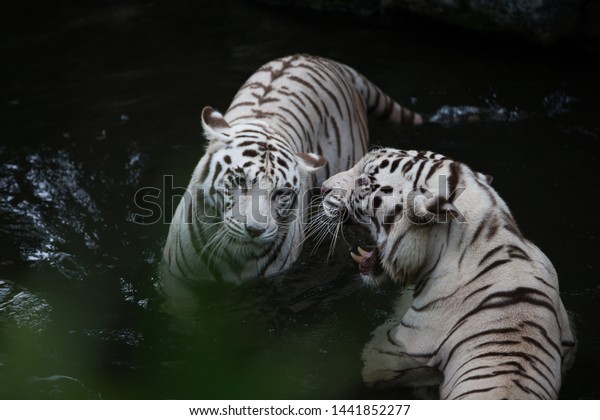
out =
column 398, row 197
column 249, row 184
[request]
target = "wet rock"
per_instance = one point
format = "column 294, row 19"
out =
column 540, row 21
column 451, row 115
column 22, row 309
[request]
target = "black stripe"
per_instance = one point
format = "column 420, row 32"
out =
column 426, row 276
column 527, row 390
column 516, row 249
column 274, row 253
column 534, row 367
column 519, row 294
column 545, row 282
column 476, row 291
column 304, row 83
column 236, row 105
column 432, row 170
column 294, row 116
column 539, row 346
column 205, row 170
column 497, row 373
column 492, row 229
column 474, row 391
column 329, row 93
column 408, row 166
column 544, row 333
column 457, row 380
column 372, row 105
column 306, row 116
column 479, row 229
column 387, row 112
column 530, row 358
column 338, row 141
column 490, row 267
column 315, row 106
column 253, row 143
column 453, row 180
column 282, row 162
column 472, row 337
column 462, row 256
column 418, row 175
column 291, row 126
column 396, row 244
column 490, row 253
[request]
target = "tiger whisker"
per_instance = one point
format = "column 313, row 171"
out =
column 319, row 232
column 220, row 245
column 214, row 238
column 223, row 244
column 333, row 243
column 313, row 228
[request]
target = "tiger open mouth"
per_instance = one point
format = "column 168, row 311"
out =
column 369, row 263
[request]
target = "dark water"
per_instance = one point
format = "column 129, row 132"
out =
column 99, row 101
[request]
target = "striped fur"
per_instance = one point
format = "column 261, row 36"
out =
column 246, row 210
column 480, row 314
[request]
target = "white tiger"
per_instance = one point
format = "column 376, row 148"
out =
column 481, row 313
column 245, row 210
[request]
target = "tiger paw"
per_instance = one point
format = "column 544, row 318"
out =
column 366, row 261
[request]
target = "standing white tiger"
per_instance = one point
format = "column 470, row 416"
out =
column 485, row 319
column 245, row 211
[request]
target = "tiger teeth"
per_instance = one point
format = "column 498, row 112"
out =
column 363, row 253
column 358, row 258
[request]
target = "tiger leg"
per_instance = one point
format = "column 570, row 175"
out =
column 387, row 365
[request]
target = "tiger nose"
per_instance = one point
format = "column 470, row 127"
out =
column 253, row 232
column 325, row 190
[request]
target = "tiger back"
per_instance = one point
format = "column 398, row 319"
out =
column 480, row 314
column 294, row 122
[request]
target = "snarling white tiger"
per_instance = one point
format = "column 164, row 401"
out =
column 481, row 313
column 245, row 209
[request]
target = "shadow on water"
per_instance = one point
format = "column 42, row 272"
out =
column 105, row 99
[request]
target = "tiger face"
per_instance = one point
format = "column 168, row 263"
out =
column 392, row 194
column 249, row 184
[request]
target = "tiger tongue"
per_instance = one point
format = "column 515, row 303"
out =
column 366, row 260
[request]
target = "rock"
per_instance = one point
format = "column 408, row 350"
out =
column 21, row 309
column 539, row 21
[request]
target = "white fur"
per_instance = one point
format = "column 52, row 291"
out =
column 486, row 309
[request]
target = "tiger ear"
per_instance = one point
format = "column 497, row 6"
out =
column 484, row 178
column 426, row 207
column 215, row 126
column 310, row 162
